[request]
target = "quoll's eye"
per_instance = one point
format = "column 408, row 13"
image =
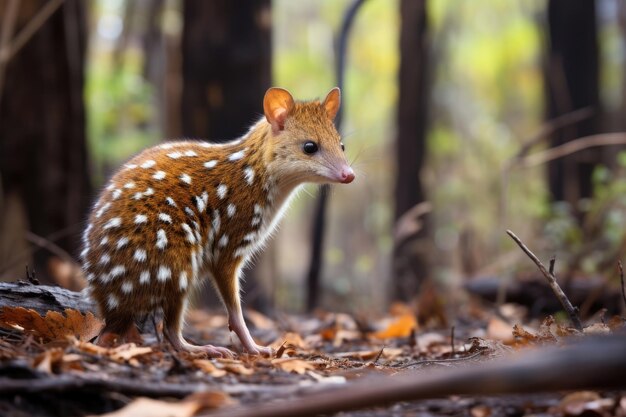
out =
column 309, row 147
column 343, row 147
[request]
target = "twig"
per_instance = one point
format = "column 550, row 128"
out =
column 552, row 262
column 621, row 280
column 379, row 355
column 452, row 339
column 558, row 292
column 573, row 146
column 31, row 28
column 8, row 25
column 429, row 361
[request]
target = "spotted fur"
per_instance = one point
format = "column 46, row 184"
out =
column 183, row 211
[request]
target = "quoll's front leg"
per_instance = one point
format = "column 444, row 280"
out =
column 173, row 313
column 227, row 281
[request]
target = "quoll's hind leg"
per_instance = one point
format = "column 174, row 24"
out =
column 119, row 328
column 228, row 284
column 173, row 314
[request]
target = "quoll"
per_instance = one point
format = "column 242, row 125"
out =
column 183, row 211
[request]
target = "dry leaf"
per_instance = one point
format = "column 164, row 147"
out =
column 295, row 365
column 499, row 329
column 583, row 402
column 54, row 325
column 234, row 366
column 50, row 358
column 259, row 321
column 401, row 327
column 127, row 351
column 290, row 338
column 147, row 407
column 209, row 367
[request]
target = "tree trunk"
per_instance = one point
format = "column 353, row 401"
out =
column 410, row 261
column 572, row 82
column 226, row 50
column 226, row 66
column 43, row 155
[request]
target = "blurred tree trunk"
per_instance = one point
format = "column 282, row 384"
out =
column 226, row 67
column 411, row 264
column 572, row 82
column 226, row 49
column 43, row 156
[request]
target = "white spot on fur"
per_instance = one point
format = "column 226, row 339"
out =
column 130, row 166
column 222, row 190
column 149, row 191
column 249, row 237
column 165, row 218
column 190, row 237
column 84, row 253
column 185, row 178
column 223, row 241
column 167, row 146
column 114, row 222
column 159, row 175
column 137, row 196
column 255, row 221
column 216, row 223
column 210, row 164
column 164, row 273
column 127, row 287
column 117, row 271
column 102, row 209
column 175, row 155
column 237, row 155
column 129, row 185
column 161, row 242
column 248, row 173
column 201, row 201
column 189, row 212
column 140, row 255
column 116, row 194
column 141, row 218
column 170, row 201
column 190, row 153
column 194, row 263
column 182, row 280
column 144, row 277
column 230, row 210
column 148, row 164
column 241, row 252
column 258, row 210
column 104, row 241
column 90, row 277
column 112, row 302
column 105, row 259
column 123, row 241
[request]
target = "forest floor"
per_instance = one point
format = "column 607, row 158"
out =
column 48, row 368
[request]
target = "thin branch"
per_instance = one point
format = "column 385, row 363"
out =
column 8, row 25
column 558, row 292
column 621, row 280
column 42, row 242
column 573, row 146
column 430, row 361
column 32, row 27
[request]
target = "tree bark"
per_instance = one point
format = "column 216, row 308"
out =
column 43, row 153
column 572, row 82
column 226, row 50
column 410, row 262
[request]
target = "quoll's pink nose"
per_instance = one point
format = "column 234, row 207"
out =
column 347, row 175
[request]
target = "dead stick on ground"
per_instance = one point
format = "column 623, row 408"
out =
column 550, row 276
column 558, row 292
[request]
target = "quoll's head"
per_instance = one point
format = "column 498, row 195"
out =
column 305, row 141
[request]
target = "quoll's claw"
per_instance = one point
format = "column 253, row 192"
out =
column 216, row 351
column 265, row 351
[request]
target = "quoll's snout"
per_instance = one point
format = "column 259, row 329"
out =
column 346, row 175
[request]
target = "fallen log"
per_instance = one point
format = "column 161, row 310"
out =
column 596, row 363
column 43, row 298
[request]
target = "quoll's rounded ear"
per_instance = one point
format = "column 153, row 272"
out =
column 277, row 105
column 332, row 102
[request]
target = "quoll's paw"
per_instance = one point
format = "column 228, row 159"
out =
column 265, row 351
column 216, row 351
